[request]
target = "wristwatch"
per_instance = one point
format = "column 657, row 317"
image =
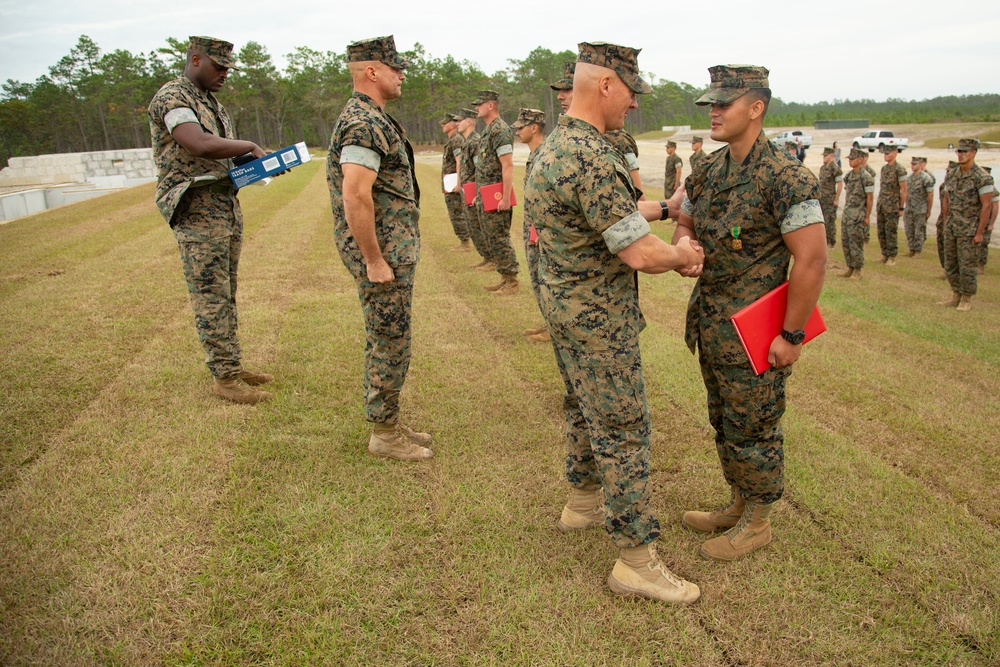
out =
column 664, row 210
column 794, row 337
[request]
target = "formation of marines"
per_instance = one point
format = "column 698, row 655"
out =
column 743, row 215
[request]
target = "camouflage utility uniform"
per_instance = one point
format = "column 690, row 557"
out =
column 766, row 196
column 696, row 159
column 984, row 248
column 455, row 201
column 857, row 184
column 582, row 201
column 961, row 255
column 497, row 140
column 939, row 224
column 368, row 136
column 197, row 199
column 467, row 174
column 674, row 163
column 915, row 213
column 829, row 175
column 889, row 205
column 626, row 147
column 868, row 228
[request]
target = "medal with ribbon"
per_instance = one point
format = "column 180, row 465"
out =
column 737, row 243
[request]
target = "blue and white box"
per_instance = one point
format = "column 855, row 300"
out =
column 263, row 168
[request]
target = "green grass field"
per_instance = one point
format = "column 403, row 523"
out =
column 146, row 522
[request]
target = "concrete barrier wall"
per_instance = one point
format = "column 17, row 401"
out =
column 103, row 168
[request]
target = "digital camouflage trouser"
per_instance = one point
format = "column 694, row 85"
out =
column 888, row 230
column 607, row 437
column 745, row 410
column 455, row 201
column 531, row 257
column 476, row 231
column 208, row 227
column 939, row 228
column 915, row 224
column 829, row 207
column 961, row 262
column 387, row 309
column 852, row 231
column 496, row 231
column 984, row 249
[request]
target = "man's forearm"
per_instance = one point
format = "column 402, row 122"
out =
column 507, row 174
column 360, row 214
column 805, row 282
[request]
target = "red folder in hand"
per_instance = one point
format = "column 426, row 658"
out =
column 759, row 323
column 470, row 193
column 492, row 194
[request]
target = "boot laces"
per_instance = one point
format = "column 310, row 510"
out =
column 663, row 570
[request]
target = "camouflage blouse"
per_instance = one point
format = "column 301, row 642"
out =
column 829, row 175
column 470, row 151
column 177, row 102
column 581, row 199
column 497, row 139
column 890, row 190
column 741, row 212
column 368, row 136
column 964, row 205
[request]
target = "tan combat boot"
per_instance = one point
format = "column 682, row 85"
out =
column 752, row 532
column 481, row 264
column 255, row 379
column 389, row 440
column 486, row 267
column 891, row 261
column 916, row 253
column 543, row 337
column 721, row 518
column 494, row 288
column 510, row 286
column 856, row 275
column 233, row 390
column 639, row 572
column 416, row 436
column 847, row 274
column 912, row 253
column 964, row 303
column 583, row 510
column 463, row 246
column 532, row 332
column 956, row 298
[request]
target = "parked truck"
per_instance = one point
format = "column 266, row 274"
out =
column 798, row 136
column 878, row 139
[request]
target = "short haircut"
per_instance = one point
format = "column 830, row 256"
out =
column 762, row 94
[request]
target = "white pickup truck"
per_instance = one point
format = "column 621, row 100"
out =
column 877, row 139
column 798, row 136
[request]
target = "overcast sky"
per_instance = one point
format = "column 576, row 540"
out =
column 839, row 49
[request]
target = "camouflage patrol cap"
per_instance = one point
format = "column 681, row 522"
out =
column 467, row 113
column 449, row 118
column 696, row 140
column 566, row 82
column 731, row 82
column 791, row 144
column 888, row 149
column 827, row 151
column 527, row 117
column 381, row 49
column 671, row 144
column 915, row 159
column 622, row 59
column 968, row 145
column 219, row 51
column 484, row 96
column 857, row 153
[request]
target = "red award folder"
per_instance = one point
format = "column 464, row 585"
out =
column 470, row 193
column 759, row 323
column 492, row 194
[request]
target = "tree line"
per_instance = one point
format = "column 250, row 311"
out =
column 95, row 100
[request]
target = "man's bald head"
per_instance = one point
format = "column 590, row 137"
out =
column 600, row 97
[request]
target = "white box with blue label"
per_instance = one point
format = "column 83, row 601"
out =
column 273, row 163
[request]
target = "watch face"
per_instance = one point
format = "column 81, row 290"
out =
column 794, row 337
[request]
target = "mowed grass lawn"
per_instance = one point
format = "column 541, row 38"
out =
column 146, row 522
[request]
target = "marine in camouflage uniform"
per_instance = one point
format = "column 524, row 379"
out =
column 746, row 211
column 984, row 247
column 455, row 201
column 582, row 200
column 968, row 203
column 831, row 181
column 871, row 172
column 381, row 253
column 698, row 155
column 467, row 174
column 629, row 150
column 939, row 224
column 857, row 213
column 529, row 128
column 919, row 197
column 198, row 201
column 672, row 170
column 496, row 148
column 891, row 197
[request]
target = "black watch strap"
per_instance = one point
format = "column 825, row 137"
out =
column 794, row 337
column 665, row 212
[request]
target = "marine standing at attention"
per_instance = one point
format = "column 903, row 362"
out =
column 454, row 199
column 919, row 199
column 593, row 235
column 753, row 208
column 857, row 213
column 697, row 155
column 530, row 129
column 831, row 182
column 672, row 170
column 891, row 197
column 193, row 141
column 376, row 209
column 467, row 174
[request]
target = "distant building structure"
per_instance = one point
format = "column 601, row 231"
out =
column 856, row 123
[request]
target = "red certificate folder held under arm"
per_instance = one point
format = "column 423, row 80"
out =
column 492, row 194
column 759, row 323
column 470, row 193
